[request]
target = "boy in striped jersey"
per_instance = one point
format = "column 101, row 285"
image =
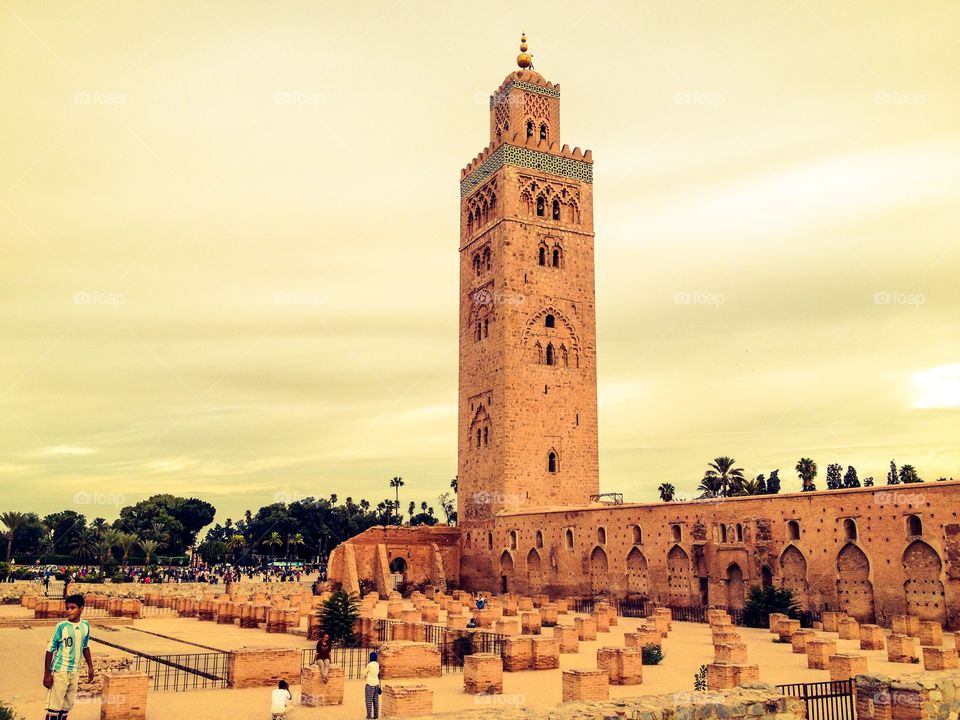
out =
column 61, row 664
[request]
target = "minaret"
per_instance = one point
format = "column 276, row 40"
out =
column 528, row 381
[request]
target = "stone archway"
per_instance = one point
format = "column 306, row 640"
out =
column 854, row 589
column 599, row 571
column 678, row 577
column 793, row 573
column 506, row 572
column 534, row 578
column 736, row 590
column 638, row 580
column 923, row 588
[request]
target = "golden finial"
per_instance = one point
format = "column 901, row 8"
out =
column 524, row 59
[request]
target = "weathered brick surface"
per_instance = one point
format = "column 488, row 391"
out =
column 788, row 628
column 902, row 649
column 624, row 666
column 819, row 652
column 406, row 659
column 773, row 622
column 931, row 633
column 800, row 639
column 905, row 625
column 831, row 619
column 259, row 666
column 845, row 666
column 579, row 685
column 530, row 622
column 482, row 673
column 730, row 653
column 124, row 696
column 406, row 701
column 314, row 692
column 848, row 628
column 545, row 652
column 586, row 628
column 642, row 638
column 568, row 637
column 939, row 658
column 722, row 676
column 872, row 637
column 518, row 653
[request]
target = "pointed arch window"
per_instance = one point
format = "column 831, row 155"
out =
column 541, row 206
column 550, row 358
column 486, row 258
column 529, row 128
column 542, row 256
column 552, row 462
column 543, row 131
column 549, row 321
column 556, row 209
column 556, row 257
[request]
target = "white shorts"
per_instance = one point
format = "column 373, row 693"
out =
column 63, row 692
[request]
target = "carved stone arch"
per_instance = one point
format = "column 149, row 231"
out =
column 638, row 578
column 854, row 588
column 793, row 572
column 923, row 589
column 599, row 571
column 678, row 576
column 534, row 574
column 552, row 460
column 562, row 322
column 481, row 299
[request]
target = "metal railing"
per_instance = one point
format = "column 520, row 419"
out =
column 181, row 671
column 831, row 700
column 352, row 660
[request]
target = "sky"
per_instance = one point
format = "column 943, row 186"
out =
column 228, row 258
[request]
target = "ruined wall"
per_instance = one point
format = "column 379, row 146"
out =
column 872, row 552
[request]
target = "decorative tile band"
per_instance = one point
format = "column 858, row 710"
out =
column 529, row 87
column 526, row 158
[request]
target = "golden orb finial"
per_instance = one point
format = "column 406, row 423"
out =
column 524, row 59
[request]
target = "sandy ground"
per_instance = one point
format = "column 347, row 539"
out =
column 688, row 646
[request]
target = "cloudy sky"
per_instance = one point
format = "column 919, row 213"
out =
column 228, row 259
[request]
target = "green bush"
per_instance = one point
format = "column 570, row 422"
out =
column 652, row 654
column 121, row 578
column 700, row 679
column 761, row 602
column 7, row 712
column 337, row 616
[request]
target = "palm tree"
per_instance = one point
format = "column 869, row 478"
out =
column 99, row 526
column 723, row 476
column 126, row 542
column 85, row 545
column 667, row 491
column 807, row 470
column 104, row 549
column 13, row 521
column 149, row 547
column 454, row 483
column 396, row 484
column 749, row 487
column 158, row 532
column 273, row 540
column 298, row 541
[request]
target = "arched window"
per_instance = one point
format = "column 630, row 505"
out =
column 723, row 533
column 489, row 541
column 477, row 334
column 569, row 539
column 550, row 358
column 542, row 256
column 476, row 264
column 850, row 529
column 675, row 532
column 529, row 128
column 468, row 540
column 564, row 356
column 793, row 530
column 486, row 258
column 486, row 327
column 556, row 209
column 637, row 535
column 914, row 525
column 478, row 437
column 513, row 539
column 552, row 462
column 739, row 533
column 601, row 536
column 549, row 321
column 766, row 576
column 539, row 540
column 543, row 131
column 556, row 257
column 486, row 436
column 540, row 206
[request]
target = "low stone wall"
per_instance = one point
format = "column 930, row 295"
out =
column 923, row 696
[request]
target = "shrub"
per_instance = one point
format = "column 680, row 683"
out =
column 763, row 601
column 7, row 712
column 121, row 578
column 652, row 654
column 700, row 679
column 337, row 617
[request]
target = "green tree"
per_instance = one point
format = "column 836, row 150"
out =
column 667, row 492
column 126, row 542
column 397, row 483
column 449, row 508
column 298, row 542
column 850, row 479
column 908, row 475
column 12, row 521
column 149, row 547
column 834, row 478
column 761, row 601
column 722, row 475
column 337, row 617
column 807, row 471
column 84, row 546
column 773, row 483
column 273, row 540
column 65, row 527
column 893, row 477
column 868, row 482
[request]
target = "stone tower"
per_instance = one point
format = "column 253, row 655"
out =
column 528, row 379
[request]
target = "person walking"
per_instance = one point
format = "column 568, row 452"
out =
column 371, row 690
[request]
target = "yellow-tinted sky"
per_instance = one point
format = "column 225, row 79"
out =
column 229, row 239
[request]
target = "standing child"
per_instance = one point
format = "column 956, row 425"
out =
column 371, row 689
column 61, row 664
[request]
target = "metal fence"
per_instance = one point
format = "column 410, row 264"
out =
column 182, row 671
column 831, row 700
column 352, row 660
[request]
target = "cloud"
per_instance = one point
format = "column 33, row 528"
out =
column 938, row 387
